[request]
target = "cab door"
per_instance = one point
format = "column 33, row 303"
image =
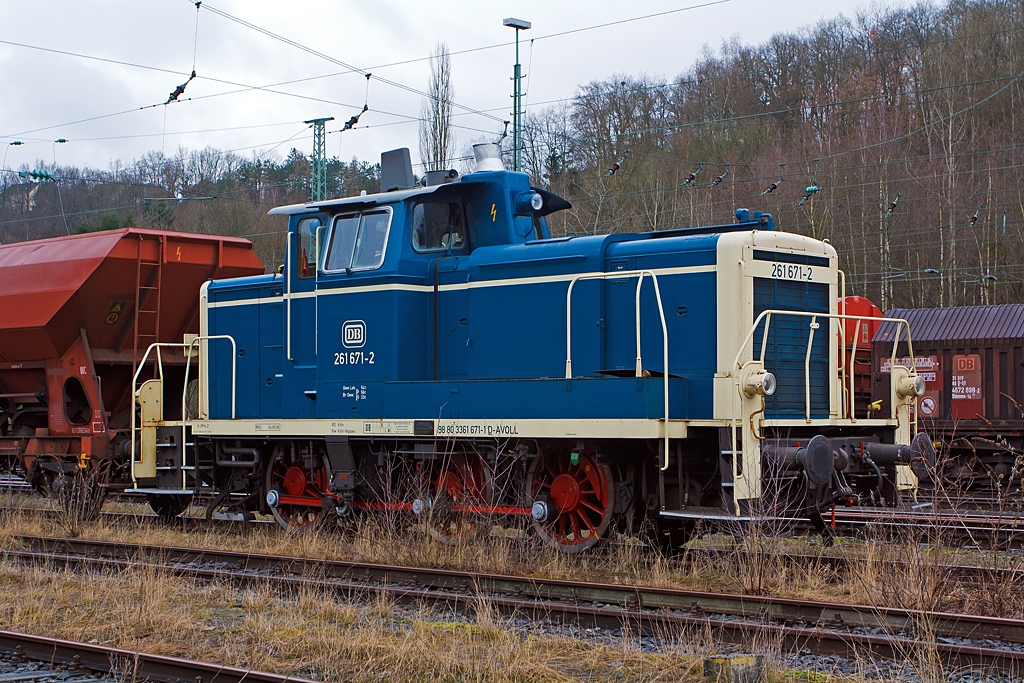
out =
column 305, row 238
column 271, row 316
column 356, row 296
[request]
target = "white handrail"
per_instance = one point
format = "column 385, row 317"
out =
column 288, row 294
column 842, row 337
column 853, row 360
column 160, row 372
column 766, row 316
column 807, row 367
column 639, row 366
column 184, row 390
column 321, row 230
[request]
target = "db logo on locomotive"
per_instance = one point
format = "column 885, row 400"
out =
column 353, row 334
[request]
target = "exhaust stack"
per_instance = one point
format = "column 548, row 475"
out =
column 488, row 156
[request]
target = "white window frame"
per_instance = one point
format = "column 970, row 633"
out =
column 330, row 239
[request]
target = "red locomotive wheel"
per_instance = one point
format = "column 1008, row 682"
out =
column 579, row 498
column 292, row 479
column 458, row 479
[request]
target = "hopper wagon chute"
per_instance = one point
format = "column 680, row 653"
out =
column 77, row 314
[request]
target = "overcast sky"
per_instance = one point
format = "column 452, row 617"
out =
column 42, row 93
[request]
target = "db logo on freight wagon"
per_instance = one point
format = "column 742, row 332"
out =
column 353, row 334
column 966, row 363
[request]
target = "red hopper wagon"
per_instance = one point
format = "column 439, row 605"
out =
column 76, row 316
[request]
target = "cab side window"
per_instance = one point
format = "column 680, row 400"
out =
column 436, row 226
column 307, row 256
column 358, row 241
column 371, row 241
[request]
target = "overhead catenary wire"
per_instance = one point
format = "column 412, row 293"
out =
column 481, row 48
column 105, row 180
column 321, row 55
column 242, row 88
column 57, row 182
column 477, row 49
column 268, row 88
column 412, row 118
column 803, row 107
column 649, row 190
column 195, row 40
column 974, row 105
column 565, row 32
column 177, row 92
column 740, row 117
column 634, row 221
column 508, row 43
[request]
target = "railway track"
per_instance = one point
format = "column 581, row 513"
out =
column 972, row 524
column 978, row 642
column 978, row 524
column 28, row 657
column 1004, row 573
column 145, row 516
column 948, row 527
column 973, row 519
column 1009, row 575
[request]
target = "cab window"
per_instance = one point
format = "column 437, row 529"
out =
column 436, row 226
column 307, row 256
column 358, row 240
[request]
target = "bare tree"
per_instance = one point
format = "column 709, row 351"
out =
column 437, row 144
column 920, row 103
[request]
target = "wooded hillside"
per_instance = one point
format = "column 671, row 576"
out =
column 917, row 110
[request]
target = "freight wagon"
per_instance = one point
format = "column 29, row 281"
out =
column 76, row 316
column 971, row 359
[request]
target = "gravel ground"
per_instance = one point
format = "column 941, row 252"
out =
column 803, row 661
column 42, row 672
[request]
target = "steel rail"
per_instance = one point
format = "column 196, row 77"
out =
column 142, row 666
column 826, row 628
column 997, row 529
column 977, row 523
column 949, row 528
column 1010, row 573
column 1013, row 518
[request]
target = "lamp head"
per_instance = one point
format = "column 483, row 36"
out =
column 518, row 24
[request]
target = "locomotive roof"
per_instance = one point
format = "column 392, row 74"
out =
column 1003, row 321
column 357, row 200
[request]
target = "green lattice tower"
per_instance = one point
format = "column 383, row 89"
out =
column 517, row 96
column 318, row 184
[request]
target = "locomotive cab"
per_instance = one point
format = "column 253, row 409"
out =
column 320, row 344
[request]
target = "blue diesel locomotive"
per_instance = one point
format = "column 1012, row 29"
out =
column 431, row 349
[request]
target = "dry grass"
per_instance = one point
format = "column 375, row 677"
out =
column 750, row 561
column 324, row 637
column 317, row 635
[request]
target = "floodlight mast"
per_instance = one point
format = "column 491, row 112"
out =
column 517, row 96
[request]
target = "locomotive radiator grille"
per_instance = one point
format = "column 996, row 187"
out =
column 786, row 351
